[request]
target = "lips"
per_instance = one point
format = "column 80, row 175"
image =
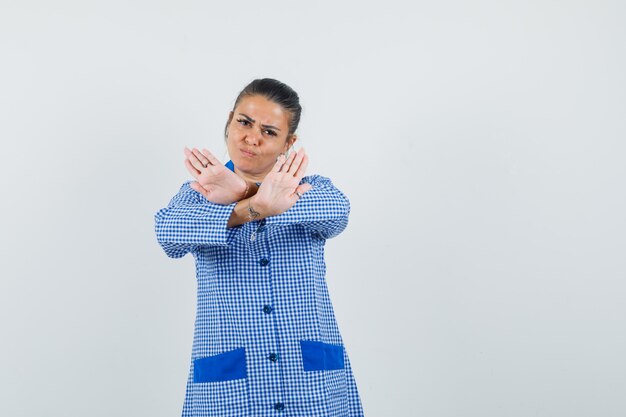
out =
column 247, row 153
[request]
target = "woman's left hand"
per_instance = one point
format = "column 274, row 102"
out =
column 280, row 187
column 215, row 181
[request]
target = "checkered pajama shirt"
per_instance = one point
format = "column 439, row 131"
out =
column 266, row 342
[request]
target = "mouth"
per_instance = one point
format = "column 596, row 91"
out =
column 247, row 153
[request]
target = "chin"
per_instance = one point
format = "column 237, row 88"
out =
column 244, row 164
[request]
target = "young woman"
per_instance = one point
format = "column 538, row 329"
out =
column 266, row 342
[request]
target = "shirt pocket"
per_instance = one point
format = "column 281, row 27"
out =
column 224, row 366
column 320, row 356
column 325, row 373
column 220, row 384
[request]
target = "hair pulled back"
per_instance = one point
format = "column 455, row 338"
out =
column 278, row 92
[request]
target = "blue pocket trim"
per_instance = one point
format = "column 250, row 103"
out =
column 320, row 356
column 221, row 367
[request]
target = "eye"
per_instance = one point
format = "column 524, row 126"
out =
column 271, row 132
column 243, row 121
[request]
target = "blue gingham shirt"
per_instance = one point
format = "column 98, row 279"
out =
column 266, row 342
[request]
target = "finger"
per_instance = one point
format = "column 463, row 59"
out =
column 194, row 172
column 203, row 160
column 195, row 161
column 296, row 162
column 288, row 162
column 212, row 159
column 197, row 187
column 279, row 163
column 303, row 188
column 302, row 168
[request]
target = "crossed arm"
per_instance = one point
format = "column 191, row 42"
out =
column 204, row 215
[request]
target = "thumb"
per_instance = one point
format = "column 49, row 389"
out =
column 195, row 185
column 303, row 188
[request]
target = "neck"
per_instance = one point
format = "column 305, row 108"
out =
column 250, row 177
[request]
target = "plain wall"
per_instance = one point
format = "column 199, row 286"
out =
column 481, row 144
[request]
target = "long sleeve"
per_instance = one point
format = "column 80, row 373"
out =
column 323, row 209
column 191, row 220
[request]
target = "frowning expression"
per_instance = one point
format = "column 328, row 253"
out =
column 257, row 134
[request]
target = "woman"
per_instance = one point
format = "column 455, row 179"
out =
column 266, row 342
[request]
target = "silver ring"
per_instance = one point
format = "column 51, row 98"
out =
column 299, row 195
column 207, row 164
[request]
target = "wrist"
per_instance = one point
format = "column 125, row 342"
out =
column 256, row 209
column 252, row 212
column 245, row 191
column 249, row 190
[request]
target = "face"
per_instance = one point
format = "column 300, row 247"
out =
column 257, row 134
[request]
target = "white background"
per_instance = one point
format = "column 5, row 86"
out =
column 481, row 144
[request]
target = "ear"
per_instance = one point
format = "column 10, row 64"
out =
column 290, row 142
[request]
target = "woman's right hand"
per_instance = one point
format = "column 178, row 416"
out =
column 277, row 192
column 215, row 181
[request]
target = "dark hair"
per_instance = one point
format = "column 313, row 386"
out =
column 279, row 93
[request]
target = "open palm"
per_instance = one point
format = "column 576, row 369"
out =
column 214, row 181
column 278, row 191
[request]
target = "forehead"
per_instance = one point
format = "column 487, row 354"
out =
column 263, row 111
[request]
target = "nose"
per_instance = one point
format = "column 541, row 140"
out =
column 252, row 139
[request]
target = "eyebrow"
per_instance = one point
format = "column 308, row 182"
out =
column 250, row 119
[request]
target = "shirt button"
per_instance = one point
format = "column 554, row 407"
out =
column 279, row 406
column 267, row 309
column 264, row 261
column 273, row 357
